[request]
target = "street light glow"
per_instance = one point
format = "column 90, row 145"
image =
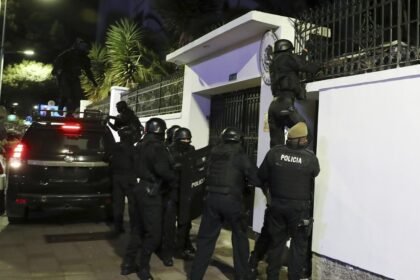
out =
column 28, row 52
column 15, row 104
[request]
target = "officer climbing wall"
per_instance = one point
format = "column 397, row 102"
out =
column 229, row 168
column 126, row 117
column 153, row 167
column 67, row 69
column 289, row 171
column 286, row 87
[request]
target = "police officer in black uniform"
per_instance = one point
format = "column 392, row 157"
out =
column 289, row 171
column 153, row 167
column 229, row 168
column 180, row 146
column 67, row 69
column 178, row 150
column 123, row 177
column 169, row 200
column 126, row 117
column 286, row 87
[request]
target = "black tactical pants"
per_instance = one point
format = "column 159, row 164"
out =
column 183, row 240
column 122, row 186
column 280, row 115
column 135, row 240
column 149, row 210
column 286, row 220
column 70, row 93
column 219, row 209
column 167, row 246
column 262, row 243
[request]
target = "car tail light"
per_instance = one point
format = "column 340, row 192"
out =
column 17, row 155
column 21, row 200
column 71, row 127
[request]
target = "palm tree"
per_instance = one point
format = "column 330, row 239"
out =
column 98, row 57
column 124, row 61
column 129, row 61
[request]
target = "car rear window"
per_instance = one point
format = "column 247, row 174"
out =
column 54, row 141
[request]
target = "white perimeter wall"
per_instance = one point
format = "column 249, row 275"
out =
column 211, row 76
column 367, row 209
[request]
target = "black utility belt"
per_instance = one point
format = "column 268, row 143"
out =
column 291, row 200
column 221, row 190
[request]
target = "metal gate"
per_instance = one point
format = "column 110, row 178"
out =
column 239, row 109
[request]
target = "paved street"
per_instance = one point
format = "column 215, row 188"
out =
column 77, row 246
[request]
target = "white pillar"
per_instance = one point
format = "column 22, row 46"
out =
column 115, row 97
column 84, row 104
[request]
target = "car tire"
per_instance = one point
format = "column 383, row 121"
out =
column 109, row 214
column 16, row 220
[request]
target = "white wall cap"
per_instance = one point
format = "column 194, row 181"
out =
column 119, row 88
column 367, row 78
column 248, row 26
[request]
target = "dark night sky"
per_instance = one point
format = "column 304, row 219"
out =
column 147, row 16
column 35, row 21
column 81, row 18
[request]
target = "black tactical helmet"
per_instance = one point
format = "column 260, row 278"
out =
column 126, row 132
column 182, row 134
column 155, row 125
column 122, row 105
column 282, row 45
column 170, row 132
column 231, row 134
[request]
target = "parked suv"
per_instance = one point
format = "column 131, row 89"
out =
column 59, row 163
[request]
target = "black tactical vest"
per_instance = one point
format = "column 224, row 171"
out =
column 224, row 173
column 292, row 173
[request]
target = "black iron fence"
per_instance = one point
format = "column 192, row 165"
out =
column 102, row 106
column 164, row 97
column 357, row 36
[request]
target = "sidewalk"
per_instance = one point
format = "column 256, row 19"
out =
column 26, row 254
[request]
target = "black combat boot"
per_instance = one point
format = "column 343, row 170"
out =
column 128, row 268
column 252, row 267
column 189, row 247
column 144, row 271
column 144, row 274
